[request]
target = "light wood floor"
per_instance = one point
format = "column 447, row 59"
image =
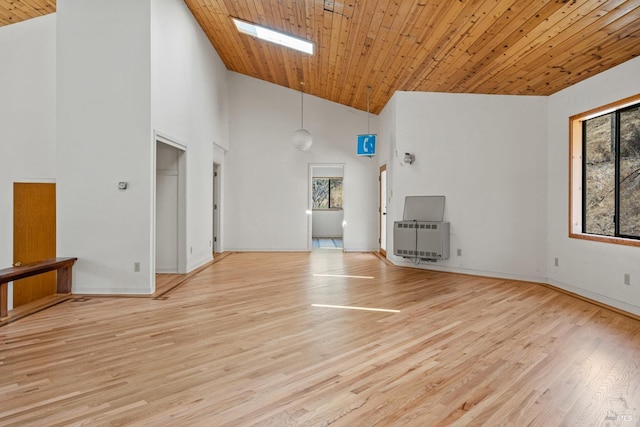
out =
column 240, row 344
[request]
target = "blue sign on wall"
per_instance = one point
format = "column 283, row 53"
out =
column 366, row 145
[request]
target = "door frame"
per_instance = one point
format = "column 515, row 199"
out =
column 182, row 201
column 382, row 210
column 215, row 238
column 310, row 203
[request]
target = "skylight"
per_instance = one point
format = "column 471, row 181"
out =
column 274, row 36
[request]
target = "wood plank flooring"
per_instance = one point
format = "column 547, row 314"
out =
column 240, row 344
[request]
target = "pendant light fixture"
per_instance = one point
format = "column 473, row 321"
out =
column 302, row 139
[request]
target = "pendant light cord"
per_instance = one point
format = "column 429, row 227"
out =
column 368, row 115
column 302, row 105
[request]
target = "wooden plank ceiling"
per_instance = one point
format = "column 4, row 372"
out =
column 460, row 46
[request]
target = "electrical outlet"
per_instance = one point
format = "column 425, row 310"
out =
column 136, row 267
column 459, row 252
column 555, row 262
column 627, row 279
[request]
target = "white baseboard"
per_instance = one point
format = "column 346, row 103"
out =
column 199, row 263
column 599, row 298
column 449, row 269
column 621, row 305
column 109, row 291
column 267, row 250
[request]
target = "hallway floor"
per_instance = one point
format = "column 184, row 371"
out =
column 327, row 243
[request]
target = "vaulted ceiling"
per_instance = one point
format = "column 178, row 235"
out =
column 377, row 47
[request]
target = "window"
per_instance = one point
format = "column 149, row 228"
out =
column 274, row 36
column 605, row 173
column 327, row 193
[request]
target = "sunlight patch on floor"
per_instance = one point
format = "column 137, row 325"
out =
column 347, row 307
column 343, row 275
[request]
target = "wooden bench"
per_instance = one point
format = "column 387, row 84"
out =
column 63, row 282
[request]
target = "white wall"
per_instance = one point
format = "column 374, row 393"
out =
column 328, row 171
column 189, row 103
column 27, row 114
column 267, row 179
column 122, row 80
column 487, row 155
column 327, row 223
column 593, row 269
column 103, row 137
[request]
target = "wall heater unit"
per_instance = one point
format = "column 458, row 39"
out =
column 422, row 240
column 421, row 234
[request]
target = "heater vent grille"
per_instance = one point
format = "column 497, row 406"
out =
column 421, row 239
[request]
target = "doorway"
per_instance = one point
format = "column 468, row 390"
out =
column 216, row 208
column 34, row 238
column 170, row 233
column 383, row 210
column 327, row 206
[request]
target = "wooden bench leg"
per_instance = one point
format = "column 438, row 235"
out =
column 4, row 300
column 63, row 282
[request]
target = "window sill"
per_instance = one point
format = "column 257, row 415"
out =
column 327, row 209
column 606, row 239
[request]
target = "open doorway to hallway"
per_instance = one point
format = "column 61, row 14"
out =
column 170, row 207
column 382, row 238
column 215, row 238
column 327, row 206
